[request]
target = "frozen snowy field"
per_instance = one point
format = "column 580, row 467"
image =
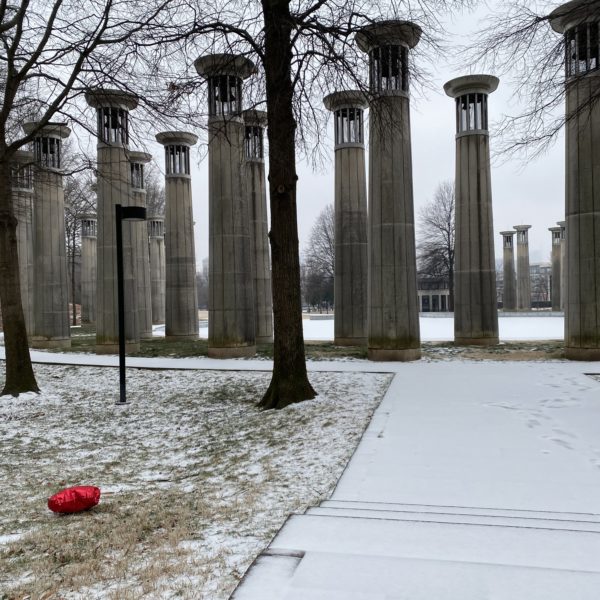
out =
column 441, row 329
column 437, row 328
column 491, row 470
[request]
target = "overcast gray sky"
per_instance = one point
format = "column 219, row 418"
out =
column 531, row 193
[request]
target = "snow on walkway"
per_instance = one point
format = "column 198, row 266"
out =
column 473, row 480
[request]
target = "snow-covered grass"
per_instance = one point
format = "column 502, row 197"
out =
column 195, row 479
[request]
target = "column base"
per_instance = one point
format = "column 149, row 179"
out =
column 146, row 336
column 158, row 322
column 47, row 344
column 589, row 354
column 233, row 352
column 267, row 339
column 179, row 338
column 488, row 341
column 130, row 347
column 341, row 341
column 384, row 354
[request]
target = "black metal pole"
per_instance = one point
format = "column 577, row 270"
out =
column 121, row 303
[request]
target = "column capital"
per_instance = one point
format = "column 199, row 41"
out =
column 345, row 99
column 101, row 98
column 388, row 33
column 183, row 138
column 211, row 65
column 471, row 84
column 574, row 13
column 136, row 156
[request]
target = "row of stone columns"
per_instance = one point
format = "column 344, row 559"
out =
column 517, row 285
column 153, row 268
column 240, row 310
column 152, row 257
column 39, row 209
column 375, row 282
column 240, row 302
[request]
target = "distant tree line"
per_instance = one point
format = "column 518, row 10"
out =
column 318, row 264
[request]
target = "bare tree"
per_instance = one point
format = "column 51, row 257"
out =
column 155, row 190
column 435, row 247
column 52, row 52
column 518, row 40
column 319, row 260
column 319, row 254
column 306, row 50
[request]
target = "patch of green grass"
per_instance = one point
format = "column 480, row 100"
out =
column 84, row 340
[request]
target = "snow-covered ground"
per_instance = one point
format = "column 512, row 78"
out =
column 473, row 480
column 434, row 328
column 195, row 479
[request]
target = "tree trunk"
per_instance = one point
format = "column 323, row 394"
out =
column 289, row 382
column 19, row 372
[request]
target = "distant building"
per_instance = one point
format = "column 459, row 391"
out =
column 433, row 293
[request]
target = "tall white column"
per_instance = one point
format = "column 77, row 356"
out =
column 556, row 275
column 89, row 272
column 181, row 306
column 114, row 187
column 392, row 293
column 22, row 196
column 255, row 122
column 579, row 21
column 475, row 302
column 523, row 273
column 156, row 243
column 231, row 306
column 51, row 295
column 509, row 296
column 351, row 252
column 139, row 233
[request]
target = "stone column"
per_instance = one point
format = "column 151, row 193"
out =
column 22, row 197
column 255, row 122
column 555, row 289
column 139, row 233
column 523, row 274
column 509, row 295
column 231, row 318
column 181, row 307
column 579, row 21
column 51, row 295
column 156, row 243
column 89, row 272
column 392, row 292
column 563, row 263
column 351, row 252
column 114, row 187
column 475, row 302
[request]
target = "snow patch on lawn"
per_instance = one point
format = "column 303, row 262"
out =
column 195, row 479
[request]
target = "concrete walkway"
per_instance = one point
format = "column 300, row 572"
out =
column 474, row 481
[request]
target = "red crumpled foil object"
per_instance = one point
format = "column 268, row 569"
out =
column 74, row 499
